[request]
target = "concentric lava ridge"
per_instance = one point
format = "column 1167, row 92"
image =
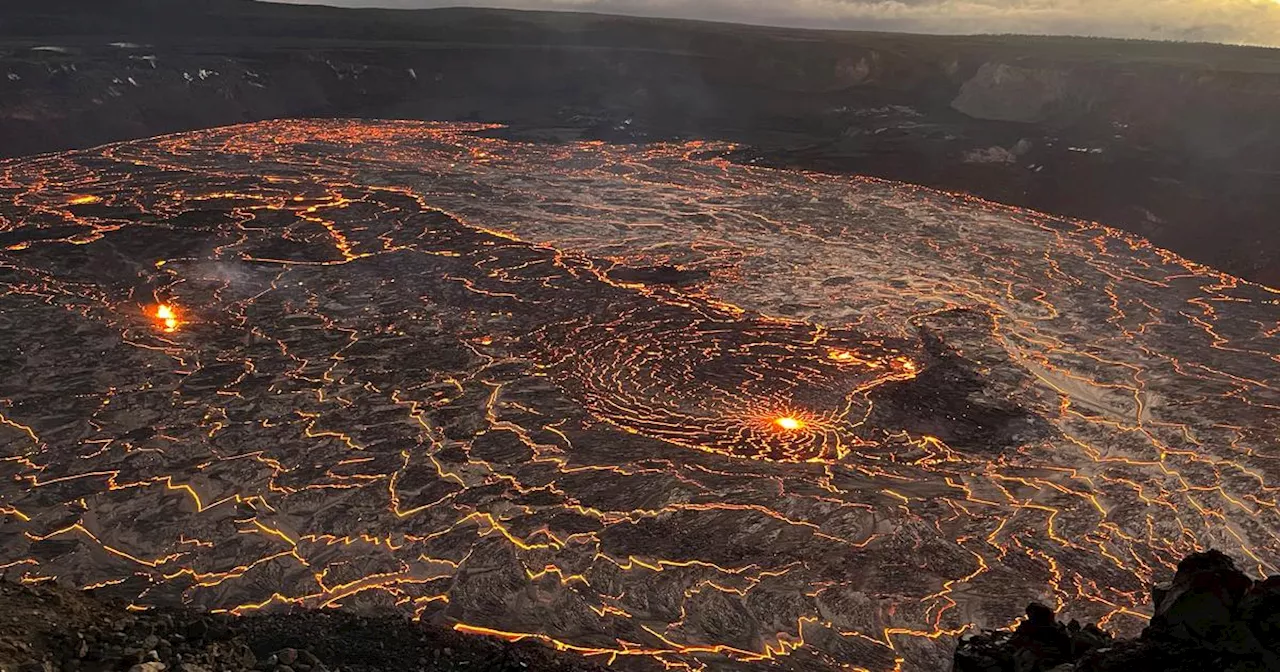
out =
column 636, row 402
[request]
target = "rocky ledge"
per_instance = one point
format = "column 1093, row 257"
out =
column 54, row 629
column 1210, row 617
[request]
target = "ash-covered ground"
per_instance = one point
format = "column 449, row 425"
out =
column 636, row 402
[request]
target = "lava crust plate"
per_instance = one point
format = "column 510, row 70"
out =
column 637, row 402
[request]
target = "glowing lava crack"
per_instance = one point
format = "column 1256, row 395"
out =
column 636, row 403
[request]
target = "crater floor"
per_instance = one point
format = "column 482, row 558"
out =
column 637, row 402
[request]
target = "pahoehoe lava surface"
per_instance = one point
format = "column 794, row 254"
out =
column 637, row 402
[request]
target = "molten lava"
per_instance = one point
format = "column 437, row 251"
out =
column 789, row 423
column 855, row 419
column 850, row 357
column 167, row 316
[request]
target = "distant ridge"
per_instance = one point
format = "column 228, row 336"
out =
column 166, row 20
column 1155, row 137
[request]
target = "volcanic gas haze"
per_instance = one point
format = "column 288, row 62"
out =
column 638, row 403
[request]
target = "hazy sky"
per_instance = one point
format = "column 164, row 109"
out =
column 1248, row 21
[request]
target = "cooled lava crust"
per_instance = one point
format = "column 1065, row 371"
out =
column 637, row 402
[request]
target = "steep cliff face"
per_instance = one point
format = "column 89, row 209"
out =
column 1003, row 92
column 1202, row 113
column 82, row 96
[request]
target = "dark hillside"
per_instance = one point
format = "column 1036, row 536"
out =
column 1179, row 143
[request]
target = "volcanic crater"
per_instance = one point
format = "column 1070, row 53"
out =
column 638, row 402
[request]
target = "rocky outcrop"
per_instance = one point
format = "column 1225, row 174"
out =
column 1039, row 643
column 1209, row 617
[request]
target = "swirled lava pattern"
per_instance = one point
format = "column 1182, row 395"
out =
column 636, row 402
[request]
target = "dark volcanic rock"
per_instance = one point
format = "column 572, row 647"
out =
column 1209, row 617
column 1200, row 604
column 1039, row 644
column 1260, row 607
column 50, row 628
column 660, row 275
column 975, row 401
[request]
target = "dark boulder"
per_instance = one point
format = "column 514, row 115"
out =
column 1210, row 616
column 1038, row 644
column 1260, row 608
column 1200, row 603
